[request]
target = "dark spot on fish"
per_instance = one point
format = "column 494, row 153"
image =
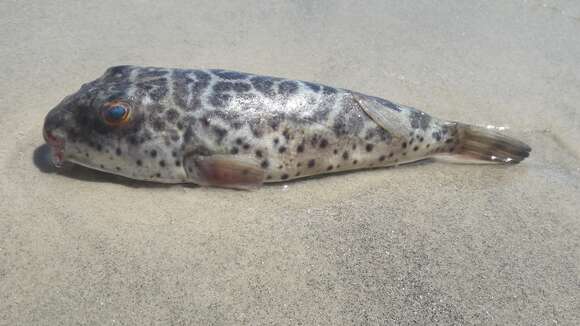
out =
column 404, row 145
column 419, row 119
column 416, row 148
column 245, row 172
column 391, row 154
column 162, row 163
column 153, row 153
column 139, row 163
column 353, row 147
column 265, row 164
column 222, row 86
column 87, row 154
column 330, row 167
column 280, row 166
column 323, row 143
column 263, row 85
column 118, row 151
column 234, row 151
column 369, row 147
column 299, row 164
column 172, row 115
column 437, row 136
column 286, row 134
column 180, row 125
column 404, row 153
column 158, row 175
column 133, row 140
column 284, row 176
column 177, row 163
column 339, row 127
column 117, row 168
column 428, row 145
column 259, row 153
column 118, row 71
column 158, row 123
column 311, row 163
column 236, row 125
column 269, row 177
column 241, row 87
column 370, row 134
column 150, row 73
column 354, row 162
column 282, row 149
column 257, row 131
column 174, row 153
column 274, row 124
column 287, row 88
column 411, row 141
column 239, row 141
column 102, row 166
column 382, row 158
column 384, row 134
column 421, row 139
column 220, row 133
column 448, row 141
column 345, row 155
column 335, row 151
column 297, row 174
column 276, row 141
column 219, row 99
column 99, row 147
column 326, row 90
column 300, row 148
column 314, row 87
column 229, row 74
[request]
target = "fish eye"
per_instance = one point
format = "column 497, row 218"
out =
column 116, row 113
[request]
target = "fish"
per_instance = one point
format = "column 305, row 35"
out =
column 224, row 128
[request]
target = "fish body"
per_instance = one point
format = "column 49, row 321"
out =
column 232, row 129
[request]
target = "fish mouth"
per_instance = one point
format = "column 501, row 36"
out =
column 57, row 146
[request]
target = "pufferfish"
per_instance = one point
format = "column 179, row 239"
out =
column 224, row 128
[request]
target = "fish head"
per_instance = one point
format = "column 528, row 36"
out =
column 121, row 123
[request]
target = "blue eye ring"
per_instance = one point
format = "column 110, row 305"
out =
column 116, row 113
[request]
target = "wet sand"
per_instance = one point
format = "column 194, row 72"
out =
column 430, row 243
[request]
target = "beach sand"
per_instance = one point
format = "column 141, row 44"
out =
column 429, row 243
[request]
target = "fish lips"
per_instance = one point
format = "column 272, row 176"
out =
column 57, row 148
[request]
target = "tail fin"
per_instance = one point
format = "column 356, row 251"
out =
column 489, row 145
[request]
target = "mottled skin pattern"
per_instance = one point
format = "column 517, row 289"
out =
column 287, row 128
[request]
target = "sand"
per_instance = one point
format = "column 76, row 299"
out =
column 432, row 243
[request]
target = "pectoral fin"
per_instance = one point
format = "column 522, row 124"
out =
column 229, row 171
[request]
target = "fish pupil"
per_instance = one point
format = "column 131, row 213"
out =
column 116, row 113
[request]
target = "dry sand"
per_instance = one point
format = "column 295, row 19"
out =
column 422, row 244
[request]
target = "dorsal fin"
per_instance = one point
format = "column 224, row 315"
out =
column 393, row 121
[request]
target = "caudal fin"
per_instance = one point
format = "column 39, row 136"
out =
column 489, row 145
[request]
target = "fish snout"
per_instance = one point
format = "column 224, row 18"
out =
column 54, row 135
